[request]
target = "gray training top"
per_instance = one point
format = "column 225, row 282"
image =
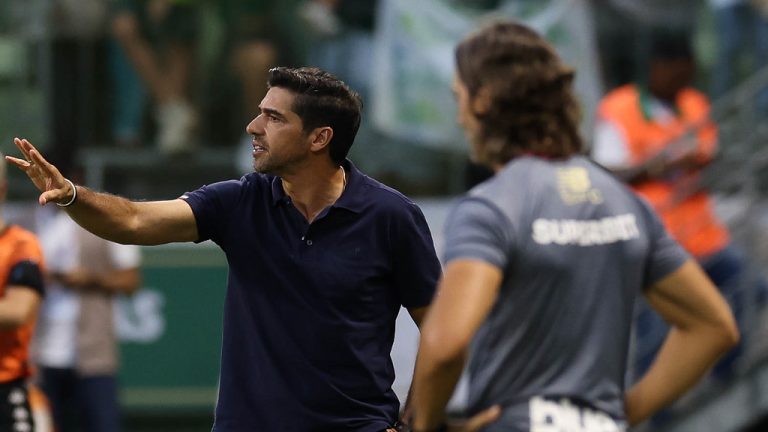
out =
column 576, row 246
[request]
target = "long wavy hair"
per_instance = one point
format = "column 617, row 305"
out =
column 532, row 108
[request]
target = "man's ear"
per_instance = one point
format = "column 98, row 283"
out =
column 321, row 137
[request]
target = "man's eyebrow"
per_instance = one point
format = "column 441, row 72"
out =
column 272, row 112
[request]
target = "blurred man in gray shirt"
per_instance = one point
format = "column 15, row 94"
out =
column 544, row 262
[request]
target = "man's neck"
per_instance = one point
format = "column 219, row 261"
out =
column 313, row 189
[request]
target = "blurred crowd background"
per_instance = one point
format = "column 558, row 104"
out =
column 131, row 84
column 150, row 98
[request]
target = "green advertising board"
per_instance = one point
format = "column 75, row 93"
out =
column 170, row 331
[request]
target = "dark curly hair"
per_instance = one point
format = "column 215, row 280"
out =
column 322, row 100
column 532, row 105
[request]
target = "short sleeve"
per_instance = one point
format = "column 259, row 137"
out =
column 416, row 267
column 665, row 255
column 477, row 229
column 27, row 263
column 27, row 274
column 27, row 248
column 211, row 204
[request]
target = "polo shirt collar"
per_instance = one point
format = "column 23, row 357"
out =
column 352, row 199
column 278, row 193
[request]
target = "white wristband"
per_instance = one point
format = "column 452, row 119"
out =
column 74, row 194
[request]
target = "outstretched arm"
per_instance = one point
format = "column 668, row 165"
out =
column 108, row 216
column 703, row 329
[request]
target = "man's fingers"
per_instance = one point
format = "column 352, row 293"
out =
column 50, row 170
column 27, row 150
column 21, row 163
column 23, row 146
column 482, row 419
column 32, row 157
column 36, row 157
column 53, row 195
column 31, row 153
column 20, row 146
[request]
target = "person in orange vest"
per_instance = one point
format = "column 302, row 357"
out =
column 21, row 291
column 657, row 135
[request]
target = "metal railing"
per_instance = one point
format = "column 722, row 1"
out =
column 738, row 177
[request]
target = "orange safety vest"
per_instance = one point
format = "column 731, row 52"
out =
column 16, row 245
column 691, row 220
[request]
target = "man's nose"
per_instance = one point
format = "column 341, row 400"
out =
column 255, row 127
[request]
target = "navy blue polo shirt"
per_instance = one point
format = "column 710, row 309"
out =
column 310, row 309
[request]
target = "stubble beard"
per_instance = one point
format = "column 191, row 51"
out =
column 259, row 166
column 263, row 166
column 262, row 163
column 266, row 164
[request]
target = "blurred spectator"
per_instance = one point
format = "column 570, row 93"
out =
column 251, row 47
column 75, row 345
column 159, row 38
column 343, row 38
column 21, row 291
column 624, row 28
column 619, row 36
column 78, row 78
column 741, row 27
column 253, row 43
column 341, row 41
column 129, row 98
column 658, row 136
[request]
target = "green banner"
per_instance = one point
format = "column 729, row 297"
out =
column 170, row 330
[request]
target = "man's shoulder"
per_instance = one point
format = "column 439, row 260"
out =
column 21, row 243
column 517, row 176
column 526, row 181
column 19, row 235
column 623, row 91
column 622, row 95
column 249, row 183
column 376, row 201
column 383, row 196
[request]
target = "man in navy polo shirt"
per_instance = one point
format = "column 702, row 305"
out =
column 321, row 258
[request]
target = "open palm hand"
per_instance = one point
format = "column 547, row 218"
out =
column 44, row 176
